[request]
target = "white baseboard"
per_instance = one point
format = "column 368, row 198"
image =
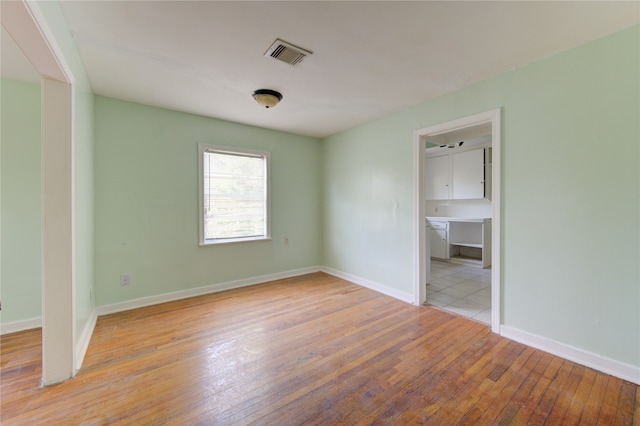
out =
column 214, row 288
column 83, row 342
column 22, row 325
column 589, row 359
column 372, row 285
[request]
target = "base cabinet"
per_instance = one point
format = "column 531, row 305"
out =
column 439, row 244
column 466, row 241
column 471, row 241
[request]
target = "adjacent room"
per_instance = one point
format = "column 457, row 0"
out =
column 320, row 212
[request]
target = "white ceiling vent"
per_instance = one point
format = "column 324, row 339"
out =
column 286, row 52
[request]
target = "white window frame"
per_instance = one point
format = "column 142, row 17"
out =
column 202, row 148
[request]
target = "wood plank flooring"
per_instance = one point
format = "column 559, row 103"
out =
column 308, row 350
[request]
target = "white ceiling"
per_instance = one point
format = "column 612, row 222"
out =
column 369, row 59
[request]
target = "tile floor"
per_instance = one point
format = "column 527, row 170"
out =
column 461, row 289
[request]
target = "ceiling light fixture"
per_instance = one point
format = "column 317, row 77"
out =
column 267, row 98
column 452, row 145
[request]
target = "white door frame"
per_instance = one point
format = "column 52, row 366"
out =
column 420, row 249
column 25, row 23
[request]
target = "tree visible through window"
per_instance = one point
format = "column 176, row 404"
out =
column 234, row 194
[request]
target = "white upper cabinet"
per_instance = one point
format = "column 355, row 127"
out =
column 457, row 175
column 468, row 174
column 438, row 170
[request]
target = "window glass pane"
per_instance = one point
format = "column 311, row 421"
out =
column 234, row 196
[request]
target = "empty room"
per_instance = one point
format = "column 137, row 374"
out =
column 320, row 212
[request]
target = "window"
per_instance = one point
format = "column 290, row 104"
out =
column 234, row 194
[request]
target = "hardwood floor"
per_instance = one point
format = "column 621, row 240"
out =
column 308, row 350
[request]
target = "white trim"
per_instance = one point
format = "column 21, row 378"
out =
column 21, row 325
column 372, row 285
column 493, row 116
column 459, row 123
column 26, row 24
column 420, row 250
column 589, row 359
column 58, row 268
column 496, row 220
column 82, row 344
column 213, row 288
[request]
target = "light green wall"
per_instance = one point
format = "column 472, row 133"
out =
column 570, row 194
column 20, row 227
column 571, row 269
column 147, row 202
column 368, row 202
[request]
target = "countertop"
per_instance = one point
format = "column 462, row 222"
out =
column 457, row 219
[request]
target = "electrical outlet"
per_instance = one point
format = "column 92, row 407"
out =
column 286, row 241
column 125, row 279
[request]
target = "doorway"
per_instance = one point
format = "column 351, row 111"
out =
column 459, row 127
column 27, row 26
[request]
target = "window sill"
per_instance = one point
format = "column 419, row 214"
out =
column 206, row 243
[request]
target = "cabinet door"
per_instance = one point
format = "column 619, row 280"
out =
column 437, row 175
column 468, row 175
column 439, row 244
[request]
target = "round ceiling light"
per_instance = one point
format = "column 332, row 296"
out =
column 267, row 98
